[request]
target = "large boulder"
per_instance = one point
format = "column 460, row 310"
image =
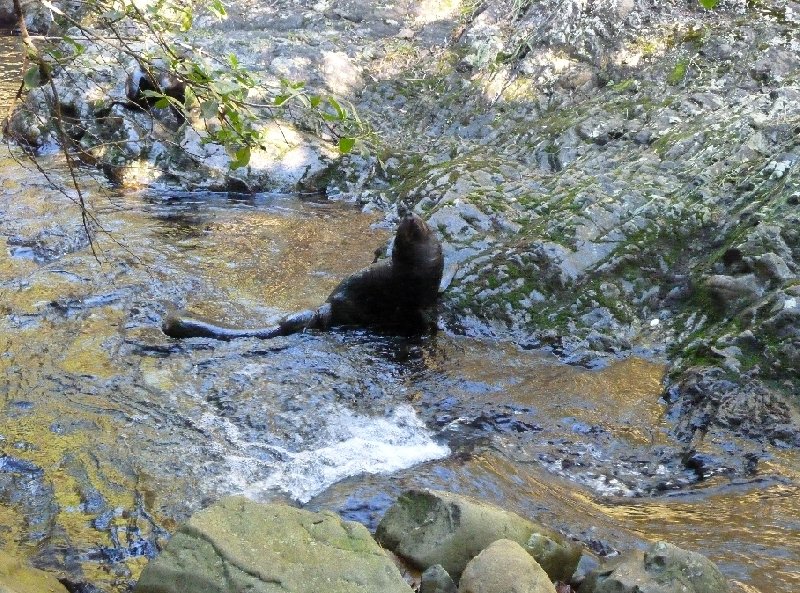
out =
column 240, row 545
column 429, row 527
column 662, row 568
column 15, row 577
column 504, row 567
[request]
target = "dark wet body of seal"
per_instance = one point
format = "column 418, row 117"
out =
column 392, row 293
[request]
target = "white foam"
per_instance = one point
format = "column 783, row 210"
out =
column 355, row 444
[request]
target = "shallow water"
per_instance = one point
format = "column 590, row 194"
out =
column 111, row 433
column 9, row 69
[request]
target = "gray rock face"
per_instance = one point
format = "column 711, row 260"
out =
column 733, row 293
column 239, row 545
column 436, row 580
column 504, row 567
column 38, row 17
column 429, row 527
column 663, row 568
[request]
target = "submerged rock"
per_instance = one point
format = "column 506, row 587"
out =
column 238, row 545
column 429, row 527
column 663, row 568
column 15, row 577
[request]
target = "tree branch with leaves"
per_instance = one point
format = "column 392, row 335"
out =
column 184, row 90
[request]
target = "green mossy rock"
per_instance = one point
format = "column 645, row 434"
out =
column 663, row 568
column 15, row 577
column 239, row 545
column 429, row 527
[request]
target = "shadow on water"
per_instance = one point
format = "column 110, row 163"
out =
column 112, row 434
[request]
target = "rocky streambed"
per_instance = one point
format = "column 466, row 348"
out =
column 615, row 186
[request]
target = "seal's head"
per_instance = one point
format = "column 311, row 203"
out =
column 417, row 257
column 412, row 238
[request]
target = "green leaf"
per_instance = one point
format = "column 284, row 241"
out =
column 189, row 98
column 218, row 9
column 242, row 157
column 315, row 100
column 209, row 109
column 162, row 103
column 233, row 60
column 78, row 47
column 223, row 87
column 112, row 15
column 280, row 100
column 346, row 145
column 186, row 21
column 341, row 114
column 709, row 4
column 33, row 78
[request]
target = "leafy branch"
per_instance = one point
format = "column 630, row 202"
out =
column 218, row 96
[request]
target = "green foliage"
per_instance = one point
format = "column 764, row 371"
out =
column 220, row 96
column 678, row 73
column 346, row 144
column 709, row 4
column 34, row 77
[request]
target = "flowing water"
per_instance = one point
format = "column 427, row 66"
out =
column 111, row 433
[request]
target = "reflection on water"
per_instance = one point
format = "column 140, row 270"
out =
column 10, row 48
column 751, row 528
column 752, row 531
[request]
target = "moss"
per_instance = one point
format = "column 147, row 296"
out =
column 695, row 36
column 648, row 47
column 678, row 73
column 624, row 85
column 662, row 145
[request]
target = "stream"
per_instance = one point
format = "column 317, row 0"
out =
column 112, row 434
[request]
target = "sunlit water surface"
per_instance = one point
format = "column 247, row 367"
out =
column 9, row 69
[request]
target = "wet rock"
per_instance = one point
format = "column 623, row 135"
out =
column 775, row 65
column 772, row 267
column 643, row 137
column 663, row 568
column 436, row 580
column 600, row 130
column 504, row 567
column 430, row 527
column 15, row 577
column 733, row 293
column 706, row 397
column 238, row 544
column 38, row 18
column 586, row 565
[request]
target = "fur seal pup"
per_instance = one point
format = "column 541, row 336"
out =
column 391, row 293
